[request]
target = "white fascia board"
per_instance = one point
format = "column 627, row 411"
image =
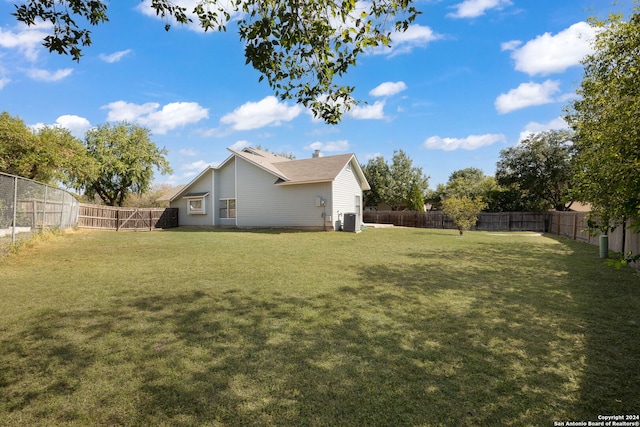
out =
column 186, row 187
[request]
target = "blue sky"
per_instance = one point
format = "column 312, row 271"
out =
column 468, row 79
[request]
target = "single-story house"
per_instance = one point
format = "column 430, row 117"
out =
column 255, row 188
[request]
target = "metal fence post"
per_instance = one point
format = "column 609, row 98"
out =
column 15, row 209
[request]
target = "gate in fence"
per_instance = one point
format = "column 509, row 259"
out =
column 131, row 219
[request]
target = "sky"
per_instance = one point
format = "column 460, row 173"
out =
column 468, row 79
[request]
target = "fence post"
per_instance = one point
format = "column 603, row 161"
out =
column 150, row 219
column 15, row 209
column 34, row 219
column 117, row 219
column 44, row 206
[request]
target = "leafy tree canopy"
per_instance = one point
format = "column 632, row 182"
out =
column 299, row 46
column 539, row 170
column 405, row 179
column 399, row 184
column 378, row 174
column 607, row 124
column 463, row 211
column 49, row 155
column 126, row 158
column 468, row 182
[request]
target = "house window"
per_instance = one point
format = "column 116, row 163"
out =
column 227, row 208
column 196, row 204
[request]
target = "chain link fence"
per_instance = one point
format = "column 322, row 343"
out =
column 28, row 206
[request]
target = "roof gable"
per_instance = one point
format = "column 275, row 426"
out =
column 184, row 189
column 316, row 169
column 263, row 162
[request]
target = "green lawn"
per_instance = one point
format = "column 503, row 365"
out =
column 389, row 327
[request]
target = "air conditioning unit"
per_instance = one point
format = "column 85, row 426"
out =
column 351, row 223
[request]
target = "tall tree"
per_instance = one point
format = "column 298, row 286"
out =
column 606, row 121
column 540, row 170
column 17, row 147
column 126, row 158
column 405, row 180
column 378, row 176
column 298, row 46
column 415, row 202
column 49, row 155
column 399, row 184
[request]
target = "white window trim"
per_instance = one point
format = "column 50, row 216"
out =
column 191, row 210
column 226, row 201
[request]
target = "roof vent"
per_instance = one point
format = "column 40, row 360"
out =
column 316, row 154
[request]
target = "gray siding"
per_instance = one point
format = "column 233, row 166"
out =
column 261, row 203
column 346, row 187
column 203, row 184
column 225, row 188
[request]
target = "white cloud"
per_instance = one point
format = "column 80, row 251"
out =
column 188, row 152
column 471, row 142
column 254, row 115
column 331, row 146
column 120, row 111
column 388, row 89
column 404, row 42
column 4, row 81
column 548, row 53
column 198, row 165
column 115, row 57
column 48, row 76
column 475, row 8
column 174, row 115
column 534, row 127
column 77, row 125
column 239, row 145
column 159, row 121
column 26, row 40
column 367, row 112
column 510, row 45
column 526, row 95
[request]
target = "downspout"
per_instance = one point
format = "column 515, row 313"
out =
column 324, row 215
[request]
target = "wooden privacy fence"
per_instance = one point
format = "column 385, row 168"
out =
column 568, row 224
column 501, row 221
column 37, row 213
column 131, row 219
column 574, row 226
